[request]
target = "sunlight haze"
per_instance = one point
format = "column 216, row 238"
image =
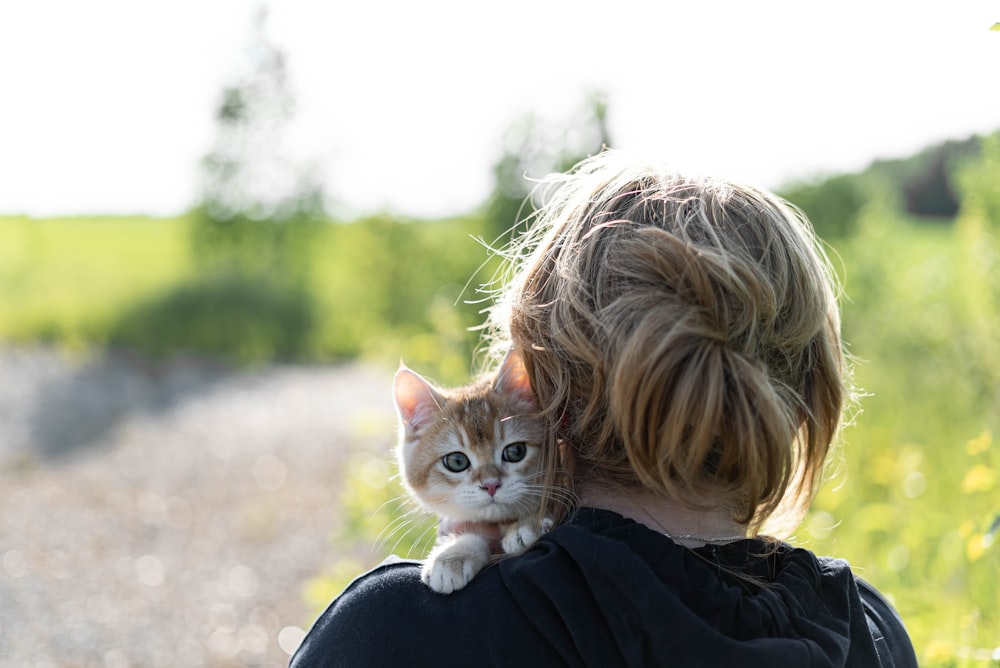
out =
column 108, row 105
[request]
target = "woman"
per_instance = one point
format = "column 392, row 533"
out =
column 682, row 338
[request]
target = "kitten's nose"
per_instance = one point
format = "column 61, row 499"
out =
column 490, row 486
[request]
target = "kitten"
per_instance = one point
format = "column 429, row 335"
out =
column 472, row 455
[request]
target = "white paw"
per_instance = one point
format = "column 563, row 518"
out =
column 520, row 537
column 452, row 565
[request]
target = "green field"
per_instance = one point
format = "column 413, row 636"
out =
column 64, row 280
column 913, row 496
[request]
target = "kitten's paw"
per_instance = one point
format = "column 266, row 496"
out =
column 520, row 537
column 451, row 566
column 445, row 575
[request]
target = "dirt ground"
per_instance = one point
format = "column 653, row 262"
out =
column 169, row 515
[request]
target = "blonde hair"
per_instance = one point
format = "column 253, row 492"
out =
column 681, row 335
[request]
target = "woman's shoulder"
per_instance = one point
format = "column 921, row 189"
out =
column 368, row 614
column 872, row 614
column 887, row 628
column 395, row 574
column 389, row 617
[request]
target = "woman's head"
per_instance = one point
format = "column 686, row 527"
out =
column 682, row 335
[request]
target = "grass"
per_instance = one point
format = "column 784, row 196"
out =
column 65, row 280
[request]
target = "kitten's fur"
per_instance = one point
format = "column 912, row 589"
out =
column 472, row 456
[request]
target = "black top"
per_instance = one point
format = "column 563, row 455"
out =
column 602, row 590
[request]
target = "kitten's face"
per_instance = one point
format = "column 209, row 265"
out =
column 477, row 462
column 471, row 454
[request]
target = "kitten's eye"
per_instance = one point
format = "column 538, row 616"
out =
column 456, row 462
column 515, row 452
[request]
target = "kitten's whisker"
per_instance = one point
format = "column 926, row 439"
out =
column 410, row 528
column 393, row 525
column 383, row 540
column 396, row 525
column 420, row 537
column 539, row 492
column 402, row 500
column 426, row 543
column 544, row 474
column 423, row 542
column 406, row 525
column 405, row 517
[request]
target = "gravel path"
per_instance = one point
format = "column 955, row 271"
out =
column 169, row 516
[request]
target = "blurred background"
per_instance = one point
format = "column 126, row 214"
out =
column 223, row 224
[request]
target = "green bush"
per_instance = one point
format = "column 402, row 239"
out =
column 832, row 204
column 240, row 317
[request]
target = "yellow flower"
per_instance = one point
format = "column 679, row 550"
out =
column 979, row 478
column 939, row 650
column 980, row 443
column 975, row 547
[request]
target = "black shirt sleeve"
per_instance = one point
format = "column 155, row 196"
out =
column 388, row 617
column 892, row 642
column 369, row 623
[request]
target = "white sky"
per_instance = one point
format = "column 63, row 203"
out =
column 106, row 105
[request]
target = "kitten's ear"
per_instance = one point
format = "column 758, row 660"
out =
column 416, row 400
column 512, row 378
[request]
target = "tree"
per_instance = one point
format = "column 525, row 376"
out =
column 833, row 204
column 533, row 148
column 258, row 208
column 250, row 299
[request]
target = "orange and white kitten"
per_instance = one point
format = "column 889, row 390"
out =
column 472, row 455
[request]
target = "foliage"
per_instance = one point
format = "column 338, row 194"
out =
column 278, row 247
column 242, row 318
column 258, row 202
column 381, row 288
column 915, row 502
column 927, row 180
column 912, row 503
column 978, row 186
column 833, row 204
column 924, row 185
column 393, row 289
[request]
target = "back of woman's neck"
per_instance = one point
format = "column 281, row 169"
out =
column 687, row 526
